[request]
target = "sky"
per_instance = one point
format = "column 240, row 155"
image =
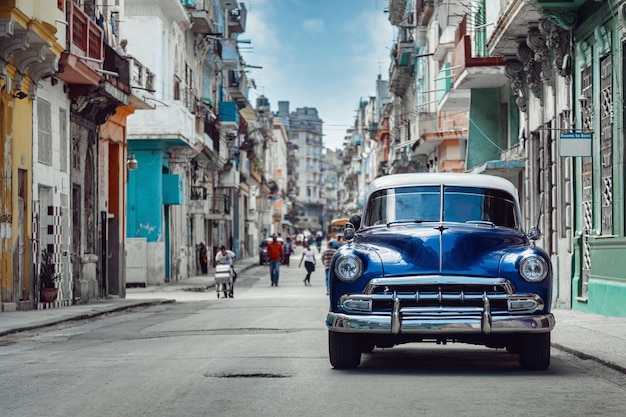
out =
column 325, row 54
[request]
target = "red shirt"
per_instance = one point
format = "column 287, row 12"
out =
column 274, row 251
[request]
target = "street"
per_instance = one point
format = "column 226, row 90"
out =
column 264, row 353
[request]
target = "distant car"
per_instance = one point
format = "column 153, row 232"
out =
column 440, row 258
column 263, row 258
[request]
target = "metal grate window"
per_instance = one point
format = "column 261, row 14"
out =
column 587, row 183
column 606, row 142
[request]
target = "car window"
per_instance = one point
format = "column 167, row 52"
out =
column 403, row 204
column 467, row 204
column 423, row 204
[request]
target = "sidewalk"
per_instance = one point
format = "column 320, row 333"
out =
column 588, row 336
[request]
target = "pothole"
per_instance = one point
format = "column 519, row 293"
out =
column 248, row 375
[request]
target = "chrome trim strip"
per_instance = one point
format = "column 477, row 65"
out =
column 439, row 325
column 437, row 280
column 534, row 300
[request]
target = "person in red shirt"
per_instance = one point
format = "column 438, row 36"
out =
column 275, row 254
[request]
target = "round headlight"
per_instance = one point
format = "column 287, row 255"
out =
column 533, row 268
column 348, row 268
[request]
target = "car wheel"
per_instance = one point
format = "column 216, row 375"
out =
column 344, row 350
column 535, row 352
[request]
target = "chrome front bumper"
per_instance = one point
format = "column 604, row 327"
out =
column 446, row 311
column 439, row 324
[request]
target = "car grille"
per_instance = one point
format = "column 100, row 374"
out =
column 438, row 298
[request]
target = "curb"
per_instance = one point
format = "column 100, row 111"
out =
column 86, row 316
column 585, row 356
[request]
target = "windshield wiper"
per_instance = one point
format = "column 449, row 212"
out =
column 481, row 223
column 404, row 221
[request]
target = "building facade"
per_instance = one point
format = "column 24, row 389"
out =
column 305, row 132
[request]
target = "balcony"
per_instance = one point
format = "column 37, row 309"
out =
column 448, row 97
column 230, row 53
column 512, row 25
column 399, row 78
column 229, row 114
column 128, row 76
column 219, row 203
column 475, row 71
column 237, row 19
column 79, row 65
column 202, row 18
column 117, row 69
column 397, row 11
column 404, row 49
column 237, row 85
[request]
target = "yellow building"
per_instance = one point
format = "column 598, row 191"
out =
column 29, row 51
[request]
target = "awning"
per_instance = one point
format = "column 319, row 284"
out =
column 248, row 113
column 506, row 169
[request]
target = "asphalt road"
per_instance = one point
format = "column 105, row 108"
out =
column 264, row 353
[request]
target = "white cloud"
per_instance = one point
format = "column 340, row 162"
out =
column 314, row 25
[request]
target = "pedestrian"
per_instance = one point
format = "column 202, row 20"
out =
column 274, row 254
column 318, row 242
column 308, row 256
column 288, row 250
column 227, row 257
column 121, row 49
column 202, row 256
column 327, row 256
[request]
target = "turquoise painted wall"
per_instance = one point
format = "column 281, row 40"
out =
column 598, row 34
column 607, row 283
column 485, row 137
column 145, row 199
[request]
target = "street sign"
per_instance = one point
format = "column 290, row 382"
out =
column 575, row 144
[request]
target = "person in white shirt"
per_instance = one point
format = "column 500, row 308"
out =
column 308, row 256
column 121, row 49
column 226, row 257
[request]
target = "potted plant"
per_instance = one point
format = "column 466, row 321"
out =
column 47, row 278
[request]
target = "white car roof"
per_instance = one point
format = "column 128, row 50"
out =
column 445, row 178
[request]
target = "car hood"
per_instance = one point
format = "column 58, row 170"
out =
column 447, row 249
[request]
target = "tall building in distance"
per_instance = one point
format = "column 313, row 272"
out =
column 305, row 132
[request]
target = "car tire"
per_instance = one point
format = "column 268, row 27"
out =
column 344, row 350
column 535, row 352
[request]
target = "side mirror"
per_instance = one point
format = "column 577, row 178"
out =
column 534, row 234
column 348, row 233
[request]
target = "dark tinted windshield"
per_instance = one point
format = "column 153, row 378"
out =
column 424, row 204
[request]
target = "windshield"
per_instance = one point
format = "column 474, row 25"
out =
column 424, row 204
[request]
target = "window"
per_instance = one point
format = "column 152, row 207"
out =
column 63, row 151
column 44, row 132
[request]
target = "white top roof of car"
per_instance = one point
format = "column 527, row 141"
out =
column 445, row 178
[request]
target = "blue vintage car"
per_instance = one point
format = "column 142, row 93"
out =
column 438, row 257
